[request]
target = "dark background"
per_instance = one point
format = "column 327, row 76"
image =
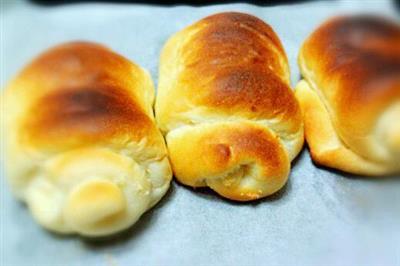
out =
column 191, row 3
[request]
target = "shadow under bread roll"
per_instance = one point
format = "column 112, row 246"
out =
column 226, row 108
column 350, row 94
column 82, row 147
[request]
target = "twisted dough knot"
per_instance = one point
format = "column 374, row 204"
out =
column 92, row 191
column 239, row 160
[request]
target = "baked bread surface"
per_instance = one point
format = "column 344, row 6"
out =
column 350, row 94
column 82, row 147
column 226, row 108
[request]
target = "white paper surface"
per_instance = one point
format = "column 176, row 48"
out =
column 322, row 217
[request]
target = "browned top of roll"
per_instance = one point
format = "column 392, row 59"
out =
column 355, row 62
column 234, row 63
column 82, row 93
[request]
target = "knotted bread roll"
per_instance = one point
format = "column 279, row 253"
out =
column 350, row 94
column 226, row 107
column 83, row 150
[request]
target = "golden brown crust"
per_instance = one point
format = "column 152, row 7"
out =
column 229, row 68
column 326, row 148
column 218, row 146
column 353, row 64
column 218, row 152
column 83, row 150
column 235, row 62
column 254, row 91
column 82, row 95
column 356, row 63
column 85, row 115
column 224, row 23
column 233, row 40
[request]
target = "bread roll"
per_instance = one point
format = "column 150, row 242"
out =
column 226, row 108
column 350, row 94
column 82, row 147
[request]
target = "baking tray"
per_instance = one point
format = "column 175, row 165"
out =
column 321, row 217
